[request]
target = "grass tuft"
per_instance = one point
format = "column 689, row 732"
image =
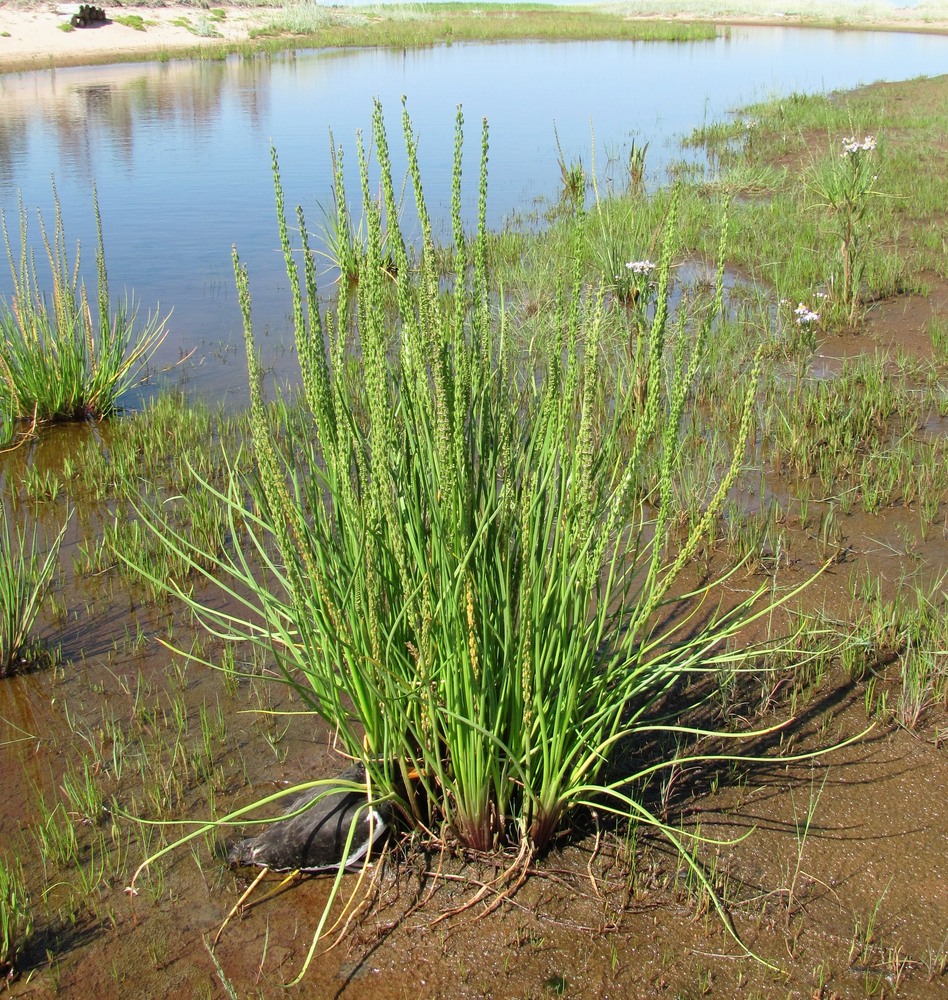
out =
column 25, row 573
column 133, row 21
column 459, row 571
column 16, row 919
column 66, row 359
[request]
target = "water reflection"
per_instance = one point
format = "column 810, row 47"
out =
column 103, row 109
column 180, row 152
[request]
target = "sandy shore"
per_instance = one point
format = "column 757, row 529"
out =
column 33, row 38
column 32, row 35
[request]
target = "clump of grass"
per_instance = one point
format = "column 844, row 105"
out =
column 343, row 244
column 938, row 334
column 203, row 26
column 635, row 168
column 457, row 572
column 301, row 18
column 64, row 360
column 617, row 241
column 16, row 918
column 573, row 176
column 25, row 574
column 134, row 21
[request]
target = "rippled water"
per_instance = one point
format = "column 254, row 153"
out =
column 180, row 151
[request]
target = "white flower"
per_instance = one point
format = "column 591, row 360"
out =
column 641, row 266
column 852, row 145
column 805, row 315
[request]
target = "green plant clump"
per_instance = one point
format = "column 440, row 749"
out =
column 25, row 574
column 58, row 362
column 460, row 573
column 16, row 919
column 134, row 21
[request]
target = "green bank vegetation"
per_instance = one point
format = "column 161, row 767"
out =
column 410, row 26
column 276, row 28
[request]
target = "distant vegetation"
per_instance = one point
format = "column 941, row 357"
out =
column 427, row 24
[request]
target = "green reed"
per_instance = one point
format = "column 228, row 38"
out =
column 16, row 918
column 635, row 167
column 572, row 177
column 448, row 557
column 26, row 569
column 61, row 357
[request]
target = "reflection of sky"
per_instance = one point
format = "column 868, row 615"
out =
column 180, row 151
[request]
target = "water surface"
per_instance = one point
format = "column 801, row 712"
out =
column 180, row 151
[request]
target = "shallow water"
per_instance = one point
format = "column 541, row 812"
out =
column 180, row 151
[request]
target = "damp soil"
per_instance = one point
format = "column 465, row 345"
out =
column 834, row 870
column 603, row 914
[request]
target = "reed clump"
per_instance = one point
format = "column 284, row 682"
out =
column 61, row 357
column 16, row 916
column 467, row 558
column 26, row 569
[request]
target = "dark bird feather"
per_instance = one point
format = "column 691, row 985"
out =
column 315, row 839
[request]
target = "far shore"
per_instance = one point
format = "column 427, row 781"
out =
column 37, row 36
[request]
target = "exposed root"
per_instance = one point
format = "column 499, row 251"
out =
column 504, row 886
column 592, row 857
column 356, row 911
column 238, row 907
column 25, row 435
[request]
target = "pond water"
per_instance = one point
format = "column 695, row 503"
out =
column 180, row 151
